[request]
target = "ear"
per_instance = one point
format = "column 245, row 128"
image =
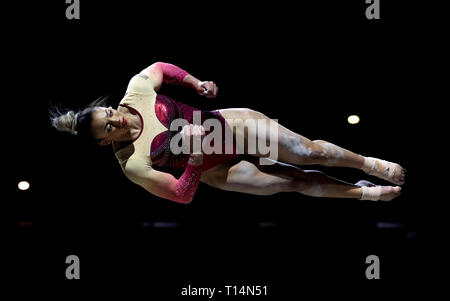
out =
column 104, row 142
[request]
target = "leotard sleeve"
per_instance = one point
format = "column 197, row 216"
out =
column 172, row 74
column 165, row 185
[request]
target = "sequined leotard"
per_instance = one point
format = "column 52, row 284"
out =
column 151, row 148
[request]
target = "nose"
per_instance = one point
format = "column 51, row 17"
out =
column 115, row 119
column 116, row 122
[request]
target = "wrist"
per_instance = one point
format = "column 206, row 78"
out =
column 196, row 159
column 192, row 82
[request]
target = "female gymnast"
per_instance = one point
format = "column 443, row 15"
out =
column 139, row 132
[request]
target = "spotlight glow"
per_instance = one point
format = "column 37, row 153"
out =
column 23, row 185
column 353, row 119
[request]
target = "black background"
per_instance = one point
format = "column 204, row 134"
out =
column 309, row 65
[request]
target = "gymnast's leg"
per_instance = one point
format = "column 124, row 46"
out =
column 296, row 149
column 248, row 176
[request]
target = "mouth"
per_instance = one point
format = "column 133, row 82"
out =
column 124, row 122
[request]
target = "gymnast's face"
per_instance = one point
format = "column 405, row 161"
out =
column 108, row 125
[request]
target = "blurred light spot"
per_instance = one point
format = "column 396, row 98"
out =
column 160, row 224
column 353, row 119
column 25, row 223
column 23, row 185
column 389, row 225
column 165, row 225
column 266, row 225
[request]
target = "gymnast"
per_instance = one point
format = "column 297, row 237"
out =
column 140, row 133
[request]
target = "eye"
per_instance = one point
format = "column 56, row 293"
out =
column 109, row 128
column 110, row 113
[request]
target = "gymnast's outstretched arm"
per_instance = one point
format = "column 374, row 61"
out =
column 160, row 73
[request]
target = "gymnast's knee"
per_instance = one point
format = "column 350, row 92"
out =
column 318, row 153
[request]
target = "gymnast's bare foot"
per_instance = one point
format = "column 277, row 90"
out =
column 378, row 193
column 385, row 170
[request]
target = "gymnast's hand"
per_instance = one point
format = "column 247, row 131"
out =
column 208, row 89
column 191, row 133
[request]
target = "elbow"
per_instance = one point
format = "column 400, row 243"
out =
column 184, row 200
column 159, row 64
column 183, row 192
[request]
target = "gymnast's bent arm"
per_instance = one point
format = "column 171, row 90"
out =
column 160, row 73
column 164, row 184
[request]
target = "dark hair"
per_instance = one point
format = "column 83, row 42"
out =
column 78, row 123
